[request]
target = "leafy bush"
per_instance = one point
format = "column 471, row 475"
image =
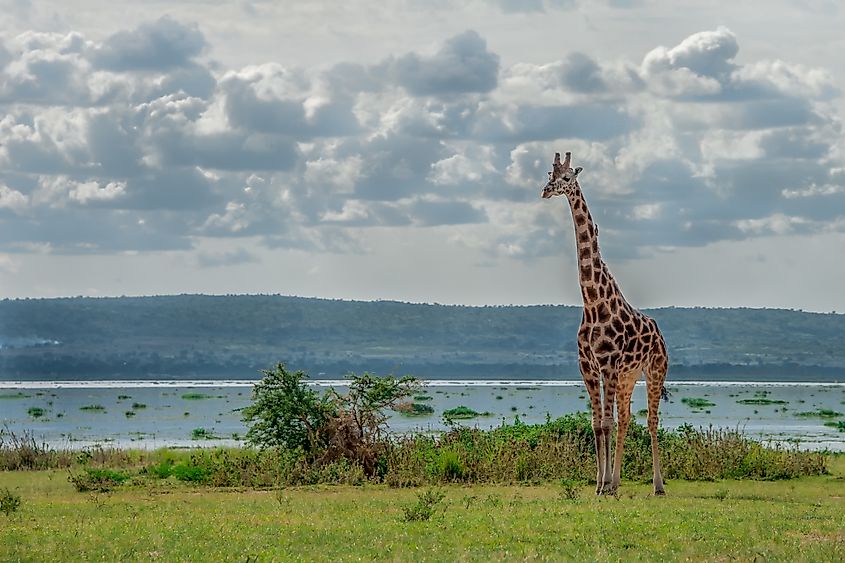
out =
column 190, row 473
column 425, row 507
column 36, row 412
column 9, row 502
column 96, row 479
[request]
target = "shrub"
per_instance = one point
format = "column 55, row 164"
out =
column 448, row 466
column 94, row 479
column 190, row 473
column 9, row 502
column 425, row 507
column 36, row 412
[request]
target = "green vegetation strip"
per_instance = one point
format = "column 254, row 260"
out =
column 18, row 395
column 820, row 413
column 761, row 401
column 198, row 396
column 795, row 521
column 838, row 424
column 463, row 413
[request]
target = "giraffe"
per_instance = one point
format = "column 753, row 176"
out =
column 616, row 342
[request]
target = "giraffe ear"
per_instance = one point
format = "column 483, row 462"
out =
column 577, row 171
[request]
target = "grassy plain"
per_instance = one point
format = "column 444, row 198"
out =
column 795, row 520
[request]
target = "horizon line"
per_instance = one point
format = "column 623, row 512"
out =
column 430, row 303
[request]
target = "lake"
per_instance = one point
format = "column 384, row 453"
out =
column 152, row 414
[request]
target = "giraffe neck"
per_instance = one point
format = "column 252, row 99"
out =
column 592, row 272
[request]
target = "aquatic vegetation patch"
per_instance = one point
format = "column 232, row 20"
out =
column 136, row 406
column 196, row 396
column 18, row 395
column 820, row 413
column 697, row 402
column 36, row 412
column 203, row 434
column 463, row 412
column 762, row 401
column 838, row 424
column 414, row 409
column 93, row 408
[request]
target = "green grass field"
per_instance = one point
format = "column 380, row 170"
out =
column 796, row 520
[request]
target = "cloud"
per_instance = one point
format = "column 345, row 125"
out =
column 86, row 192
column 431, row 213
column 463, row 65
column 272, row 99
column 137, row 142
column 231, row 258
column 159, row 45
column 12, row 199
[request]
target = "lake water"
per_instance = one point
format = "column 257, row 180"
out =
column 152, row 414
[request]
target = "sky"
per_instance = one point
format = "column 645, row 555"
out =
column 396, row 150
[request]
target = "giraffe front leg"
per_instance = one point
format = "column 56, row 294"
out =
column 607, row 429
column 598, row 435
column 623, row 414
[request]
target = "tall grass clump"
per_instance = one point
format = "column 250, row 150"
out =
column 24, row 452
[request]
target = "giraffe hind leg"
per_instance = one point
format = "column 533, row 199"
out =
column 655, row 378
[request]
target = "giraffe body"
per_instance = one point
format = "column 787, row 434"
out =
column 616, row 342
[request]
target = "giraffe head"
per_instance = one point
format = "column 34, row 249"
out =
column 562, row 179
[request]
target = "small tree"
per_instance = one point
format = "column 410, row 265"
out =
column 369, row 396
column 286, row 412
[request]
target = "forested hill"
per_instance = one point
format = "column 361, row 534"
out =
column 187, row 336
